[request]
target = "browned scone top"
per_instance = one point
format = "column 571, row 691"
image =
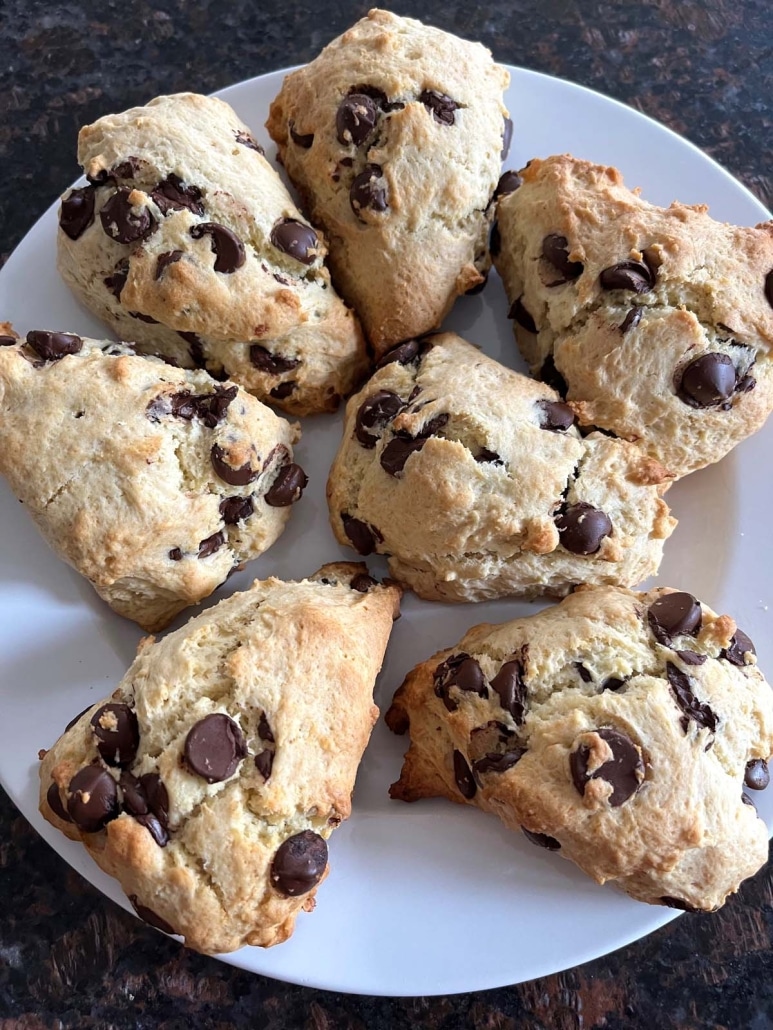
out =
column 210, row 780
column 393, row 136
column 657, row 323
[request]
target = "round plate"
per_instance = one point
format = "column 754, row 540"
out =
column 431, row 898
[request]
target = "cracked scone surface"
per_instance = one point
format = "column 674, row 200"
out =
column 617, row 728
column 474, row 481
column 394, row 136
column 153, row 482
column 659, row 321
column 187, row 242
column 208, row 783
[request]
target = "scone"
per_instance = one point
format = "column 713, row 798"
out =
column 210, row 780
column 394, row 138
column 656, row 323
column 153, row 482
column 476, row 483
column 617, row 728
column 187, row 242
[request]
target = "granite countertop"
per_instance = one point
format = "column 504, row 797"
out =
column 69, row 958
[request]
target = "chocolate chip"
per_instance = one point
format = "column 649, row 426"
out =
column 296, row 239
column 355, row 119
column 147, row 801
column 707, row 381
column 283, row 391
column 769, row 287
column 214, row 747
column 274, row 364
column 157, row 830
column 542, row 840
column 7, row 341
column 613, row 683
column 582, row 528
column 691, row 657
column 495, row 240
column 175, row 554
column 368, row 191
column 288, row 486
column 462, row 671
column 624, row 771
column 674, row 614
column 301, row 139
column 404, row 354
column 756, row 775
column 116, row 282
column 299, row 863
column 210, row 545
column 631, row 320
column 494, row 762
column 441, row 106
column 362, row 582
column 54, row 799
column 165, row 260
column 134, row 800
column 519, row 314
column 550, row 375
column 117, row 732
column 209, row 408
column 233, row 476
column 508, row 183
column 93, row 799
column 226, row 246
column 363, row 536
column 77, row 212
column 235, row 509
column 509, row 685
column 149, row 916
column 172, row 194
column 681, row 691
column 740, row 646
column 507, row 138
column 374, row 413
column 583, row 673
column 378, row 95
column 247, row 140
column 628, row 275
column 463, row 776
column 555, row 250
column 678, row 903
column 264, row 729
column 264, row 761
column 53, row 346
column 124, row 222
column 555, row 416
column 398, row 451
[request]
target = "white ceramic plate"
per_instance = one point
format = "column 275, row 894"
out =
column 430, row 898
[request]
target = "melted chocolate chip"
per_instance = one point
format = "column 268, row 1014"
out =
column 175, row 554
column 681, row 691
column 296, row 239
column 582, row 528
column 54, row 799
column 463, row 776
column 362, row 582
column 299, row 863
column 398, row 451
column 624, row 771
column 674, row 614
column 631, row 320
column 124, row 222
column 77, row 212
column 542, row 840
column 226, row 246
column 210, row 545
column 355, row 119
column 172, row 194
column 247, row 140
column 149, row 916
column 374, row 413
column 126, row 169
column 363, row 536
column 134, row 800
column 691, row 657
column 678, row 903
column 756, row 775
column 7, row 341
column 550, row 375
column 300, row 139
column 507, row 138
column 235, row 509
column 509, row 685
column 53, row 346
column 555, row 250
column 214, row 747
column 441, row 106
column 117, row 732
column 433, row 427
column 288, row 486
column 707, row 381
column 368, row 191
column 209, row 408
column 116, row 282
column 494, row 762
column 274, row 364
column 555, row 416
column 462, row 671
column 740, row 646
column 155, row 827
column 93, row 799
column 233, row 476
column 264, row 762
column 404, row 354
column 165, row 260
column 629, row 275
column 508, row 183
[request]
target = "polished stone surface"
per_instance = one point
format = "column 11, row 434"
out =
column 68, row 957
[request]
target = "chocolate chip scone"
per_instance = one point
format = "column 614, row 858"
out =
column 208, row 783
column 394, row 138
column 476, row 483
column 617, row 728
column 154, row 482
column 187, row 242
column 657, row 323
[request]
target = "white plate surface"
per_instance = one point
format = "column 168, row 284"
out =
column 431, row 898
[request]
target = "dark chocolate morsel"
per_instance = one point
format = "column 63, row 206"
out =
column 155, row 828
column 555, row 250
column 756, row 775
column 550, row 376
column 175, row 554
column 689, row 705
column 465, row 781
column 624, row 771
column 692, row 657
column 124, row 222
column 165, row 260
column 210, row 545
column 247, row 140
column 441, row 106
column 494, row 762
column 740, row 645
column 299, row 863
column 53, row 346
column 555, row 416
column 116, row 282
column 92, row 798
column 678, row 903
column 363, row 536
column 520, row 314
column 264, row 761
column 509, row 685
column 172, row 194
column 374, row 413
column 507, row 138
column 267, row 361
column 707, row 381
column 54, row 799
column 399, row 449
column 301, row 139
column 368, row 191
column 149, row 916
column 674, row 614
column 227, row 247
column 118, row 734
column 582, row 528
column 7, row 341
column 362, row 582
column 214, row 747
column 296, row 239
column 509, row 182
column 77, row 212
column 629, row 275
column 125, row 169
column 134, row 800
column 631, row 320
column 542, row 840
column 433, row 427
column 283, row 390
column 288, row 486
column 403, row 354
column 233, row 476
column 235, row 509
column 355, row 119
column 462, row 671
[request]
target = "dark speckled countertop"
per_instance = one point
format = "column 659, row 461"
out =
column 68, row 957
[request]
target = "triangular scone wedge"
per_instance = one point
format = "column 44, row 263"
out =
column 209, row 782
column 657, row 323
column 188, row 243
column 616, row 728
column 153, row 482
column 394, row 136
